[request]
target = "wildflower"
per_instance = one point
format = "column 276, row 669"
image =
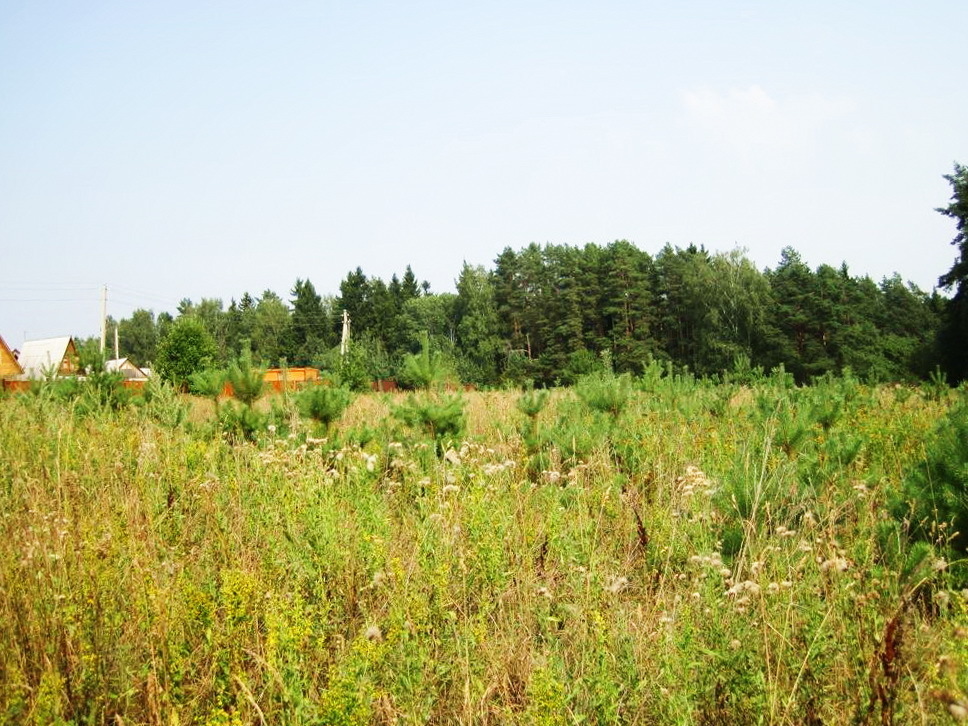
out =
column 837, row 564
column 450, row 489
column 379, row 577
column 735, row 644
column 272, row 428
column 551, row 476
column 373, row 633
column 616, row 585
column 452, row 456
column 744, row 586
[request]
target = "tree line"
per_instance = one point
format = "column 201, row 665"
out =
column 551, row 313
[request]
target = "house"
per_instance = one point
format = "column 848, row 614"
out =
column 126, row 368
column 49, row 357
column 9, row 365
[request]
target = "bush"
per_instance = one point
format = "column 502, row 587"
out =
column 247, row 381
column 186, row 348
column 425, row 369
column 159, row 402
column 441, row 419
column 934, row 497
column 208, row 383
column 605, row 392
column 242, row 423
column 324, row 404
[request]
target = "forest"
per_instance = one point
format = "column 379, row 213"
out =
column 681, row 536
column 548, row 314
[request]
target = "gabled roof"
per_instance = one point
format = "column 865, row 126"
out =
column 9, row 366
column 125, row 367
column 39, row 356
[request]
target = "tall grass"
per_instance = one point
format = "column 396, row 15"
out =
column 695, row 564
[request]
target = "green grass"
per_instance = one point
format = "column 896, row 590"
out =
column 707, row 559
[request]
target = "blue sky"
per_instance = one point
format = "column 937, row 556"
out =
column 204, row 149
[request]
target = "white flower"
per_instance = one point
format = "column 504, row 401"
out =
column 837, row 564
column 616, row 585
column 373, row 633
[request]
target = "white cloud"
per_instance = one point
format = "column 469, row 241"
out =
column 751, row 119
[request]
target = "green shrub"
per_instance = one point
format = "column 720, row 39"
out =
column 187, row 347
column 248, row 382
column 936, row 387
column 934, row 497
column 242, row 423
column 605, row 392
column 425, row 369
column 441, row 419
column 323, row 404
column 208, row 383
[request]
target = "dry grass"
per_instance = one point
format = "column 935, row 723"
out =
column 151, row 575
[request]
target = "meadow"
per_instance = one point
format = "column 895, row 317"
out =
column 661, row 550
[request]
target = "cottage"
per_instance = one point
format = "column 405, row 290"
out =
column 9, row 366
column 49, row 356
column 126, row 368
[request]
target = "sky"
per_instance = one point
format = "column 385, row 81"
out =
column 205, row 149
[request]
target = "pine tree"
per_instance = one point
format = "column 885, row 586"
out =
column 953, row 337
column 477, row 337
column 310, row 324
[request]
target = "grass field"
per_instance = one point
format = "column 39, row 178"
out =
column 700, row 554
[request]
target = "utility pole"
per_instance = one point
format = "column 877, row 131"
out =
column 345, row 340
column 104, row 318
column 116, row 353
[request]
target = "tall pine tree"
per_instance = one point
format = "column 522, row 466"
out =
column 953, row 337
